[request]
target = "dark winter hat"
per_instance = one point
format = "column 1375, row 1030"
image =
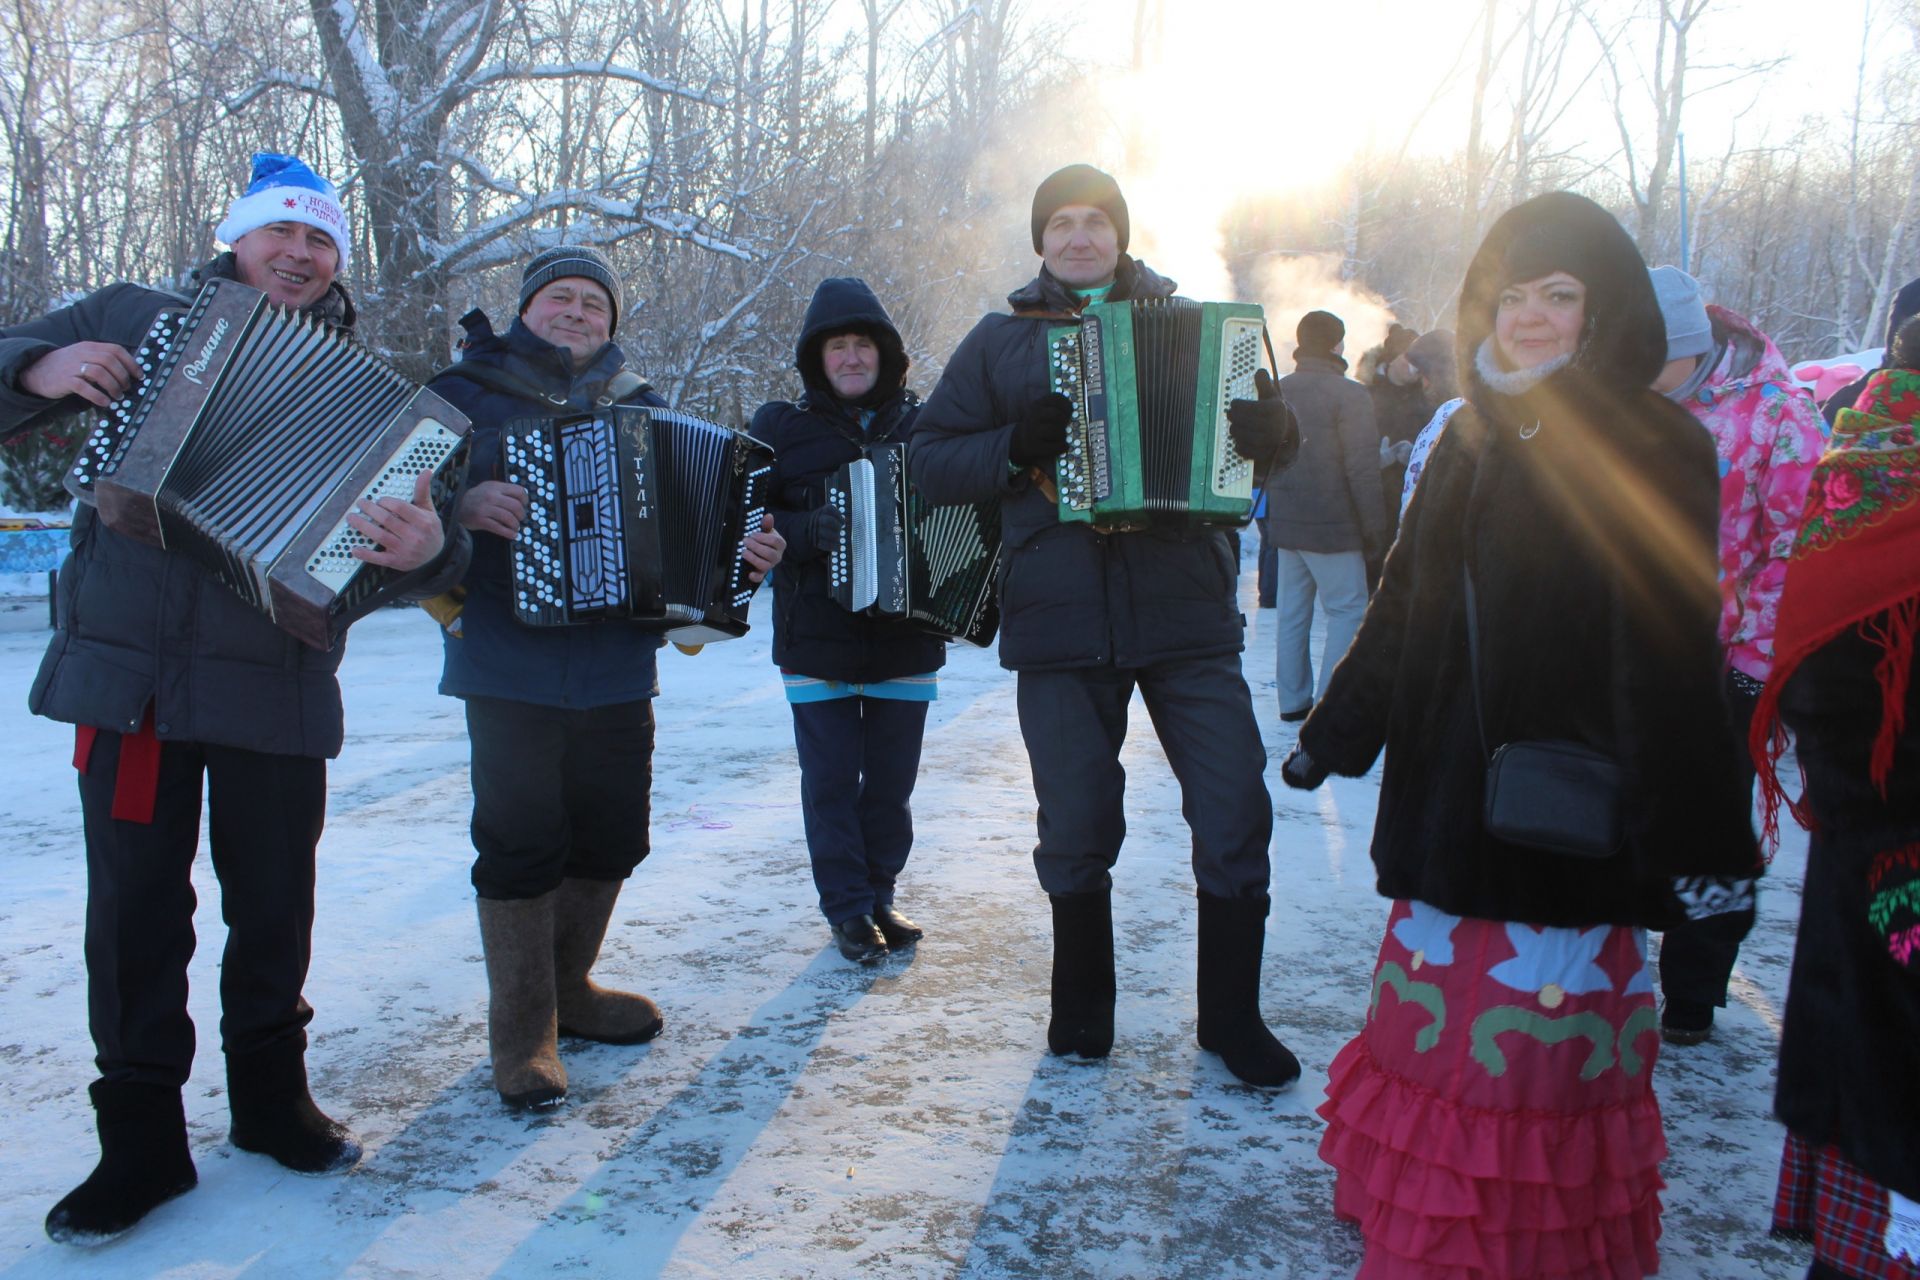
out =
column 1399, row 338
column 565, row 260
column 1904, row 351
column 1431, row 354
column 1906, row 304
column 1319, row 332
column 1079, row 184
column 847, row 304
column 1560, row 231
column 1689, row 332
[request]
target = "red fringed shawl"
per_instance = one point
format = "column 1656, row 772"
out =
column 1856, row 562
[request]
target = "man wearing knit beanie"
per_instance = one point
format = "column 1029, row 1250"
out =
column 554, row 844
column 178, row 689
column 1320, row 333
column 571, row 262
column 1088, row 616
column 1080, row 184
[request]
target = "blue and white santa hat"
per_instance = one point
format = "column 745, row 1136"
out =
column 283, row 189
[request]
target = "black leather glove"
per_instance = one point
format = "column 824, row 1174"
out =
column 1299, row 770
column 1264, row 431
column 1041, row 434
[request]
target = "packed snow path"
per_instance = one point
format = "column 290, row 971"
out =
column 799, row 1116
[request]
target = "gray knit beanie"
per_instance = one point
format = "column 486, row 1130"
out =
column 565, row 260
column 1689, row 331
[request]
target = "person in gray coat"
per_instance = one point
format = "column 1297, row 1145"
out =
column 1090, row 615
column 1324, row 512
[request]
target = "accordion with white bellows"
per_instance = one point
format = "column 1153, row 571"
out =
column 252, row 434
column 900, row 556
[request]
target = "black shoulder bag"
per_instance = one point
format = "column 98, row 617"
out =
column 1547, row 793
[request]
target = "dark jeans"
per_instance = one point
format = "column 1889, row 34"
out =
column 1075, row 722
column 558, row 793
column 265, row 813
column 1697, row 956
column 859, row 758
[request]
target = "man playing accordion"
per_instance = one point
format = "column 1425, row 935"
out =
column 1089, row 615
column 173, row 681
column 560, row 719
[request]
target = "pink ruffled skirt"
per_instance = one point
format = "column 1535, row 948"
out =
column 1496, row 1116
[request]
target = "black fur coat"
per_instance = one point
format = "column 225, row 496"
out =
column 1586, row 508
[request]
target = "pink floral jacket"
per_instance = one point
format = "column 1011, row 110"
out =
column 1769, row 434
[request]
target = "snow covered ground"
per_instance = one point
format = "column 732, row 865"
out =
column 800, row 1116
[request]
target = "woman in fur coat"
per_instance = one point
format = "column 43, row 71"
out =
column 1496, row 1115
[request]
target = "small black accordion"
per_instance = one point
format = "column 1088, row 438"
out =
column 251, row 435
column 899, row 556
column 636, row 513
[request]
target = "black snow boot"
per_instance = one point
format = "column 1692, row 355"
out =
column 1233, row 934
column 274, row 1115
column 1083, row 987
column 144, row 1162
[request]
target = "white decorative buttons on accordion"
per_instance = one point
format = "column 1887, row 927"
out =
column 111, row 425
column 426, row 447
column 1233, row 474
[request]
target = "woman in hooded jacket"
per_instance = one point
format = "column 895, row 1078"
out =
column 859, row 685
column 1553, row 580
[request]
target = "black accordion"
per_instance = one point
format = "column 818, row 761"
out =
column 899, row 556
column 251, row 435
column 636, row 513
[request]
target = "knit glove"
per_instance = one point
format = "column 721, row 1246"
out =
column 818, row 530
column 1040, row 435
column 1394, row 453
column 1264, row 430
column 1300, row 771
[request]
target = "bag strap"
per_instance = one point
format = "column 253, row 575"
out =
column 500, row 380
column 1473, row 658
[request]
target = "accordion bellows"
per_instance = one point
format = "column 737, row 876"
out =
column 899, row 556
column 251, row 435
column 636, row 513
column 1150, row 382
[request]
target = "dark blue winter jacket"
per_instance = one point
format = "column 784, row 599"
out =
column 495, row 655
column 1069, row 596
column 812, row 438
column 141, row 626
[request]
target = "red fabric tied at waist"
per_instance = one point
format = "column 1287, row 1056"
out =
column 137, row 783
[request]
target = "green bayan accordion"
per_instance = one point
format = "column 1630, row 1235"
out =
column 1150, row 382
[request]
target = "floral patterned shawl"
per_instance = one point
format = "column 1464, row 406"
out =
column 1856, row 562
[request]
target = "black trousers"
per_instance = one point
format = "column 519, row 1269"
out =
column 1075, row 722
column 1697, row 956
column 264, row 815
column 558, row 793
column 859, row 758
